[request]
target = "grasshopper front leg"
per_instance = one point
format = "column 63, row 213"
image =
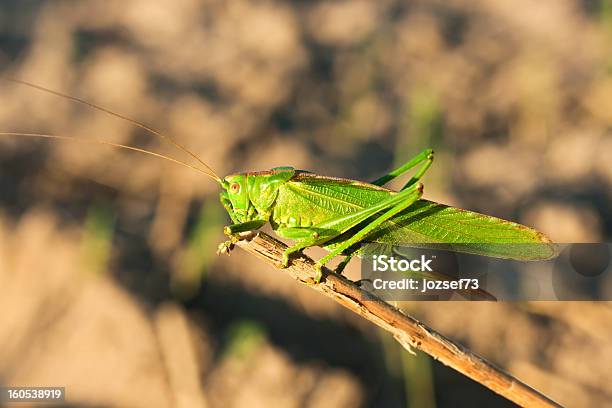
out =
column 233, row 232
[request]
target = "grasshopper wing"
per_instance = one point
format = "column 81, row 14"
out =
column 426, row 223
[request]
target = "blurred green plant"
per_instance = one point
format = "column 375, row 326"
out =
column 421, row 126
column 418, row 379
column 195, row 260
column 425, row 121
column 97, row 239
column 605, row 21
column 605, row 15
column 244, row 338
column 414, row 371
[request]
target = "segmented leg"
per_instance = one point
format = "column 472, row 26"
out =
column 343, row 264
column 233, row 231
column 243, row 227
column 316, row 236
column 425, row 157
column 409, row 196
column 305, row 237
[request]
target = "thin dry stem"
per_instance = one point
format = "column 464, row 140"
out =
column 408, row 331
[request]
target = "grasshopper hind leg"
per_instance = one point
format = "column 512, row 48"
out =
column 343, row 264
column 345, row 261
column 348, row 254
column 425, row 159
column 410, row 196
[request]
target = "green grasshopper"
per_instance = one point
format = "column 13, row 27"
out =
column 338, row 214
column 341, row 214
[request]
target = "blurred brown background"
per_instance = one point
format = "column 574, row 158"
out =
column 108, row 280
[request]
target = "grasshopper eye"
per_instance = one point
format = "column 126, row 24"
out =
column 234, row 188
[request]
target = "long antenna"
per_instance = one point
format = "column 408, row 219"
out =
column 118, row 115
column 104, row 142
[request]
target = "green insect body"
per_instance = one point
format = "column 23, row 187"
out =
column 338, row 214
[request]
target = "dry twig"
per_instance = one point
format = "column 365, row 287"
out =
column 405, row 329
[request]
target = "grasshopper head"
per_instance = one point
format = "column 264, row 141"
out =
column 237, row 192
